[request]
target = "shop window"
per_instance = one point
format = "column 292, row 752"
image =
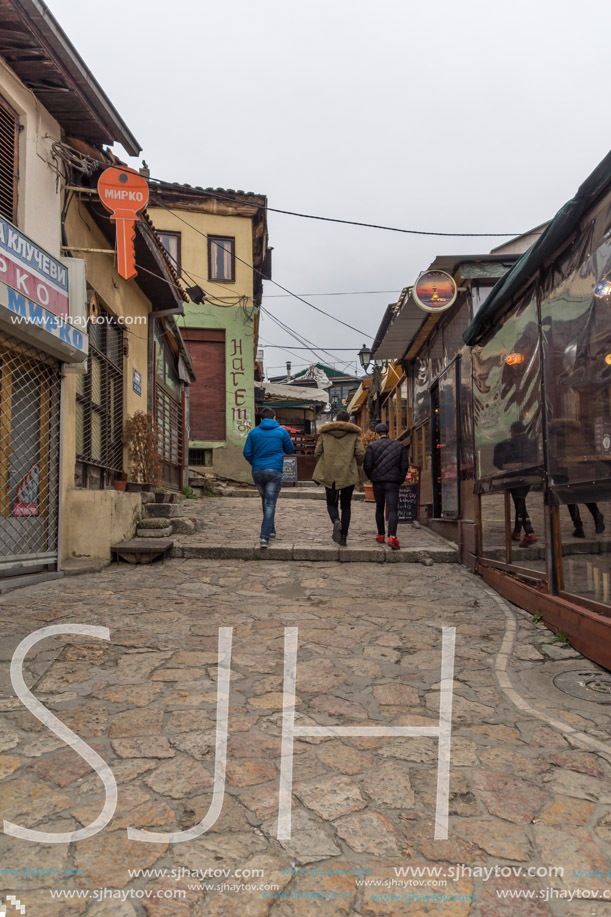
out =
column 171, row 243
column 9, row 147
column 422, row 398
column 99, row 406
column 446, row 447
column 405, row 420
column 221, row 258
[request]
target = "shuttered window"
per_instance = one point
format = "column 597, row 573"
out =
column 9, row 133
column 207, row 395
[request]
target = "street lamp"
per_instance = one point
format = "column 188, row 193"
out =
column 365, row 356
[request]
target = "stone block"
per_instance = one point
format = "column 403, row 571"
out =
column 183, row 526
column 153, row 524
column 162, row 510
column 307, row 552
column 154, row 533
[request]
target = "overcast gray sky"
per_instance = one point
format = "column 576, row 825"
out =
column 472, row 116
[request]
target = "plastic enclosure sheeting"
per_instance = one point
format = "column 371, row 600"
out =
column 453, row 331
column 448, row 442
column 506, row 395
column 576, row 328
column 436, row 354
column 422, row 398
column 559, row 231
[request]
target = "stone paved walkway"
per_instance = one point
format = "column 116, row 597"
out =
column 523, row 793
column 230, row 526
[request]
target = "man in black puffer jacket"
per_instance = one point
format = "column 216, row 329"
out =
column 386, row 464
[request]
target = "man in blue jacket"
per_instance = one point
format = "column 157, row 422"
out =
column 265, row 449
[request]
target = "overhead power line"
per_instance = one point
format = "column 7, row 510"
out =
column 349, row 293
column 311, row 216
column 275, row 282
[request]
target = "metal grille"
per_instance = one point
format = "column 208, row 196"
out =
column 30, row 390
column 99, row 406
column 168, row 417
column 200, row 457
column 9, row 133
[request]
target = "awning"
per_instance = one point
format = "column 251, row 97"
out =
column 306, row 405
column 360, row 395
column 392, row 377
column 292, row 393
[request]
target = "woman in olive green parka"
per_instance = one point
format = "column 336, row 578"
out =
column 340, row 454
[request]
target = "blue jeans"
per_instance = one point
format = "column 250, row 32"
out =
column 269, row 483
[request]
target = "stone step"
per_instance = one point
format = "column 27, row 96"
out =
column 427, row 555
column 153, row 524
column 162, row 510
column 164, row 532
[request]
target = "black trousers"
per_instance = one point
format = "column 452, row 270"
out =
column 344, row 498
column 518, row 495
column 576, row 516
column 387, row 496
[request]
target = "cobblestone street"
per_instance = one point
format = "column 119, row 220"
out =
column 530, row 772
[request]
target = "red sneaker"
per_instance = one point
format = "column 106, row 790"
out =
column 515, row 536
column 528, row 540
column 380, row 539
column 393, row 543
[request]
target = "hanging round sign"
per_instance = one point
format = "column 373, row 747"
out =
column 434, row 291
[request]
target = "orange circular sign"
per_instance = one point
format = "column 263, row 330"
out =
column 123, row 189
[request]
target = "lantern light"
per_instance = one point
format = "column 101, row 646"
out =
column 365, row 356
column 602, row 290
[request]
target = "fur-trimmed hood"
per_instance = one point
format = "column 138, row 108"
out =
column 340, row 428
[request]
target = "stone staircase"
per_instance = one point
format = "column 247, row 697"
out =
column 225, row 527
column 162, row 520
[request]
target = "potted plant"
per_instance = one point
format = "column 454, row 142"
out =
column 160, row 494
column 120, row 483
column 140, row 436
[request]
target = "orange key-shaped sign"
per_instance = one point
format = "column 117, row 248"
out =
column 125, row 193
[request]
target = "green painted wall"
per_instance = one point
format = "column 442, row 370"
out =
column 239, row 377
column 237, row 321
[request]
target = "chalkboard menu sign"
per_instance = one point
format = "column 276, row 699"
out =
column 289, row 471
column 409, row 497
column 409, row 502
